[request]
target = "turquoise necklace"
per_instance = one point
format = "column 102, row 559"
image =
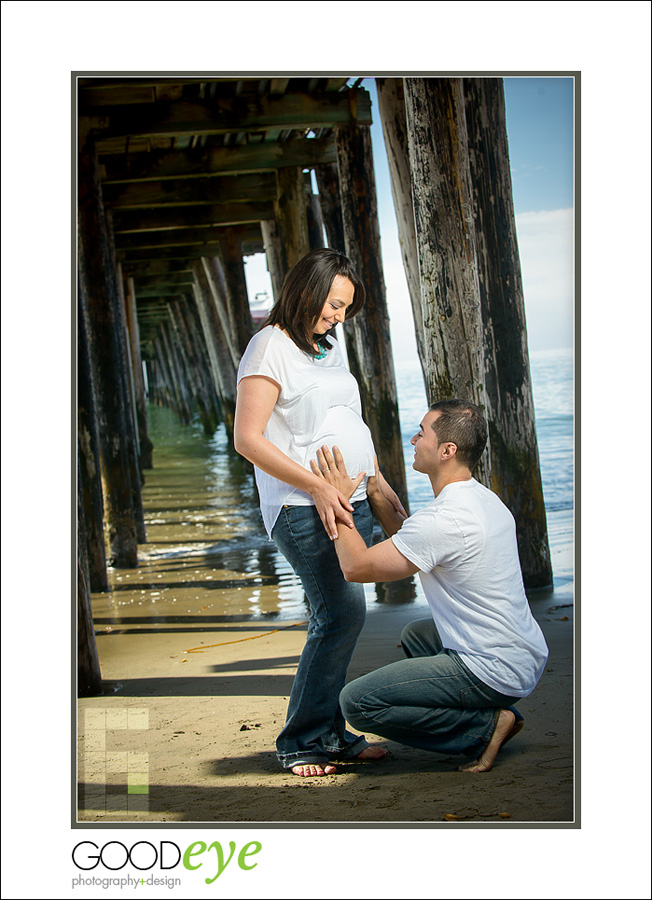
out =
column 321, row 352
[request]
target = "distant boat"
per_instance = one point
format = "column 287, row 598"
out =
column 260, row 306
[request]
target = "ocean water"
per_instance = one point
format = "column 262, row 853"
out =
column 208, row 553
column 553, row 390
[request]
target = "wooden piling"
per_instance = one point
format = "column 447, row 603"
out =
column 273, row 254
column 222, row 368
column 391, row 104
column 328, row 182
column 131, row 417
column 314, row 216
column 367, row 335
column 445, row 235
column 515, row 469
column 89, row 678
column 177, row 372
column 89, row 484
column 191, row 343
column 101, row 308
column 237, row 299
column 145, row 443
column 216, row 283
column 291, row 216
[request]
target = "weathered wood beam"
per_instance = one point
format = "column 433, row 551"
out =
column 94, row 92
column 191, row 192
column 177, row 241
column 89, row 678
column 239, row 114
column 214, row 279
column 153, row 267
column 222, row 366
column 167, row 393
column 515, row 469
column 328, row 182
column 186, row 252
column 196, row 361
column 145, row 444
column 291, row 217
column 335, row 84
column 101, row 305
column 237, row 299
column 278, row 85
column 314, row 216
column 89, row 481
column 368, row 337
column 131, row 434
column 391, row 104
column 191, row 217
column 445, row 233
column 163, row 280
column 216, row 161
column 177, row 368
column 172, row 290
column 273, row 254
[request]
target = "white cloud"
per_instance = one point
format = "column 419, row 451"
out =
column 546, row 250
column 545, row 242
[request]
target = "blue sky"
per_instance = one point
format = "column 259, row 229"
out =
column 540, row 132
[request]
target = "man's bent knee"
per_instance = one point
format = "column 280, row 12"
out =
column 350, row 697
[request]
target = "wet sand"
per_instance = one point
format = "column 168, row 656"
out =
column 198, row 649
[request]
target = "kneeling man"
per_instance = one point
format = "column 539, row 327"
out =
column 482, row 650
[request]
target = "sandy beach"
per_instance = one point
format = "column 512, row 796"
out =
column 185, row 733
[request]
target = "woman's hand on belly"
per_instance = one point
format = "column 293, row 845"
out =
column 333, row 506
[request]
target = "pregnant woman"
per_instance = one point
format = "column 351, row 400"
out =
column 295, row 395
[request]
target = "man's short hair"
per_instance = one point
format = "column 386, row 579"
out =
column 464, row 425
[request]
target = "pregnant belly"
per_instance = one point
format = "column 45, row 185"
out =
column 344, row 428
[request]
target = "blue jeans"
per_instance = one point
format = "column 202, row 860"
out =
column 315, row 730
column 430, row 700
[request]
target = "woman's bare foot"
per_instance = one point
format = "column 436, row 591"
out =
column 372, row 752
column 306, row 771
column 506, row 727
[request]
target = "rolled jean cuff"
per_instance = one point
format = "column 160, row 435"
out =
column 301, row 759
column 350, row 751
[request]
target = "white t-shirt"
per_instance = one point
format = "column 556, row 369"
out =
column 464, row 543
column 319, row 404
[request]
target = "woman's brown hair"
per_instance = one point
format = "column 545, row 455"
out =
column 304, row 293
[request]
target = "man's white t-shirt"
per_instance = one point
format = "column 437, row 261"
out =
column 319, row 403
column 464, row 544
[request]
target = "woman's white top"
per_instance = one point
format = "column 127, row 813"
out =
column 319, row 403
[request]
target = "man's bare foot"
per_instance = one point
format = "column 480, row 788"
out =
column 506, row 727
column 306, row 771
column 372, row 752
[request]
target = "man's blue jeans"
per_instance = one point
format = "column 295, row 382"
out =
column 430, row 700
column 315, row 730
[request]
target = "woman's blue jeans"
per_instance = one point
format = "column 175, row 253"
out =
column 430, row 700
column 315, row 730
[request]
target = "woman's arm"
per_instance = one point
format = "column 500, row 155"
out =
column 390, row 516
column 257, row 396
column 385, row 502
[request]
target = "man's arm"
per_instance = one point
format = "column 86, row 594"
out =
column 360, row 563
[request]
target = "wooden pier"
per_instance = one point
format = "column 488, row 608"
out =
column 180, row 178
